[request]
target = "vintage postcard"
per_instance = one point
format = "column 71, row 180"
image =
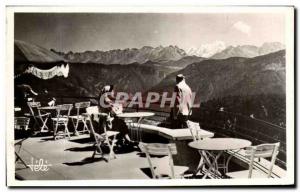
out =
column 150, row 96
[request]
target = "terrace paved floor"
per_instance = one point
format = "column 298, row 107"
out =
column 71, row 159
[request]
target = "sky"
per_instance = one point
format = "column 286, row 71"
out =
column 79, row 32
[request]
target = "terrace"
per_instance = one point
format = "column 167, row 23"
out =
column 72, row 158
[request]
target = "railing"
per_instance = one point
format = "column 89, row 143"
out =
column 258, row 131
column 222, row 123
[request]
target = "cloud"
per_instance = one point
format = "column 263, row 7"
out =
column 155, row 31
column 242, row 27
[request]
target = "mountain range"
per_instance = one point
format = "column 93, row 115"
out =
column 126, row 56
column 207, row 50
column 248, row 86
column 178, row 64
column 209, row 78
column 248, row 50
column 218, row 78
column 171, row 56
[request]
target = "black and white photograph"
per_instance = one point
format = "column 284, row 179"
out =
column 150, row 96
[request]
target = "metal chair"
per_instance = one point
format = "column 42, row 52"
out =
column 76, row 119
column 20, row 126
column 62, row 119
column 259, row 151
column 195, row 129
column 108, row 137
column 40, row 119
column 98, row 139
column 163, row 166
column 110, row 140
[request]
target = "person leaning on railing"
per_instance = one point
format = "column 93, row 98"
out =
column 183, row 103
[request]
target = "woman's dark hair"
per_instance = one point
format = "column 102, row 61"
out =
column 111, row 88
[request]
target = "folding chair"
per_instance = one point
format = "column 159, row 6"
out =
column 165, row 166
column 110, row 140
column 195, row 129
column 259, row 151
column 98, row 139
column 76, row 119
column 62, row 119
column 40, row 119
column 108, row 137
column 21, row 126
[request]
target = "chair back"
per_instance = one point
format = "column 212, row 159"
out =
column 264, row 151
column 92, row 110
column 159, row 149
column 34, row 108
column 21, row 123
column 81, row 105
column 194, row 129
column 64, row 110
column 21, row 127
column 88, row 117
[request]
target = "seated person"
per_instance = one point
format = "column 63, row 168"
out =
column 23, row 94
column 112, row 122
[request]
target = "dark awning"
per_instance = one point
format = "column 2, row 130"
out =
column 38, row 61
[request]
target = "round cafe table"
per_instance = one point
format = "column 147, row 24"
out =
column 140, row 116
column 218, row 145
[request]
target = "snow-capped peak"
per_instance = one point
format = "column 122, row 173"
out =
column 207, row 50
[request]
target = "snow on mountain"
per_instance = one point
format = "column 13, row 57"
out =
column 248, row 51
column 207, row 50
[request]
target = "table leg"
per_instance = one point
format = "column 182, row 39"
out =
column 139, row 137
column 211, row 165
column 201, row 164
column 132, row 130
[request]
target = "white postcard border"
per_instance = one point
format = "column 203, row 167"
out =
column 290, row 105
